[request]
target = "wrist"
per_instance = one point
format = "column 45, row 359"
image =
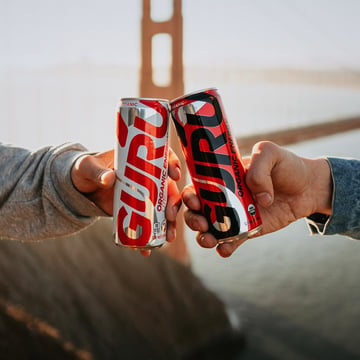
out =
column 321, row 185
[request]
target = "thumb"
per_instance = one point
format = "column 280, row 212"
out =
column 106, row 178
column 88, row 174
column 258, row 176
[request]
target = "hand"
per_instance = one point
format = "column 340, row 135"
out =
column 93, row 175
column 285, row 187
column 174, row 199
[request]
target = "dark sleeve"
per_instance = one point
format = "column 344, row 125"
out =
column 345, row 218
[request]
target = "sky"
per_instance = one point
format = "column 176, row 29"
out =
column 220, row 37
column 244, row 33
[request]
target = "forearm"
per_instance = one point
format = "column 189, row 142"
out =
column 345, row 201
column 37, row 197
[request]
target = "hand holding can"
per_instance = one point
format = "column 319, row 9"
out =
column 215, row 166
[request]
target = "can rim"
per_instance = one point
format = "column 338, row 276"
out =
column 242, row 236
column 192, row 93
column 143, row 98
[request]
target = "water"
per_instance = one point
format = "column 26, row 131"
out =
column 291, row 290
column 263, row 107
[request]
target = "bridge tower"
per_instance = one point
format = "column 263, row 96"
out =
column 174, row 88
column 150, row 28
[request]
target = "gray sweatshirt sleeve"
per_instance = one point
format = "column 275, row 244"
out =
column 345, row 219
column 37, row 197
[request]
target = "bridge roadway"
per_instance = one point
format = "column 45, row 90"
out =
column 299, row 134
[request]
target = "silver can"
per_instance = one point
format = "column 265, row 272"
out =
column 141, row 167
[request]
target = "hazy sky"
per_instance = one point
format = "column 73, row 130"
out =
column 297, row 33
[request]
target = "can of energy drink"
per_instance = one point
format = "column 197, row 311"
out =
column 215, row 165
column 141, row 167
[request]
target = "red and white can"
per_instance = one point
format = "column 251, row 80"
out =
column 215, row 165
column 141, row 166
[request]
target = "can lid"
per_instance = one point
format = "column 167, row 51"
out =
column 143, row 98
column 192, row 93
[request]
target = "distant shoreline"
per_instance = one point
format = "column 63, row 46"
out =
column 299, row 134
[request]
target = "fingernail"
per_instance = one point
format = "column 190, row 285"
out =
column 202, row 239
column 103, row 177
column 264, row 199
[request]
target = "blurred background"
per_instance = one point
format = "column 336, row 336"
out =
column 64, row 65
column 278, row 64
